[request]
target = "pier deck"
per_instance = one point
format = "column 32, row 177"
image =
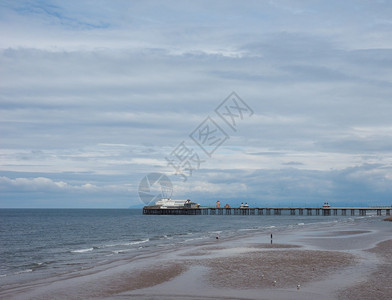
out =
column 309, row 211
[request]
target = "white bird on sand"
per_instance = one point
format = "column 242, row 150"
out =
column 274, row 282
column 298, row 286
column 262, row 276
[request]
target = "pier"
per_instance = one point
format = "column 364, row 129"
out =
column 301, row 211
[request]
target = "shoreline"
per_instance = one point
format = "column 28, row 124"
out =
column 327, row 263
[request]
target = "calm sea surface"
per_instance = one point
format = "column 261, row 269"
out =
column 56, row 241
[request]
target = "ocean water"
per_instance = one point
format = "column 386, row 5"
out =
column 47, row 242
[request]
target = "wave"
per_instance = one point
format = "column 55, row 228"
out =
column 216, row 232
column 39, row 265
column 161, row 237
column 138, row 242
column 24, row 271
column 166, row 237
column 248, row 229
column 121, row 251
column 82, row 250
column 194, row 239
column 128, row 243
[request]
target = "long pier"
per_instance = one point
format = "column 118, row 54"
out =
column 309, row 211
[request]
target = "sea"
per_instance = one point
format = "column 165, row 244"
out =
column 40, row 243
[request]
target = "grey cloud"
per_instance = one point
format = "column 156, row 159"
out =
column 293, row 163
column 76, row 76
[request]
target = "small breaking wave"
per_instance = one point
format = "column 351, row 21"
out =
column 161, row 237
column 138, row 242
column 121, row 251
column 82, row 250
column 39, row 265
column 129, row 243
column 194, row 239
column 248, row 229
column 24, row 271
column 216, row 232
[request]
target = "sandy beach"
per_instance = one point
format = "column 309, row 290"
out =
column 347, row 261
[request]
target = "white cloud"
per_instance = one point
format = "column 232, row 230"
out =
column 47, row 185
column 32, row 184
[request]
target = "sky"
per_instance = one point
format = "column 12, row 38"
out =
column 97, row 95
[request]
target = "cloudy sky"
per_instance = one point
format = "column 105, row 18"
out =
column 95, row 95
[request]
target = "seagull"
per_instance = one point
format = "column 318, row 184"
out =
column 298, row 286
column 274, row 282
column 262, row 276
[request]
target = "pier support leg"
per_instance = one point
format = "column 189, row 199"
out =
column 343, row 212
column 292, row 211
column 388, row 212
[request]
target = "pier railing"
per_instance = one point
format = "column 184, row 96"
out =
column 309, row 211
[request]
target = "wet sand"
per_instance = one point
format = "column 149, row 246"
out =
column 378, row 284
column 346, row 261
column 267, row 269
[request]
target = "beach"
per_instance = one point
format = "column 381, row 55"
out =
column 346, row 260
